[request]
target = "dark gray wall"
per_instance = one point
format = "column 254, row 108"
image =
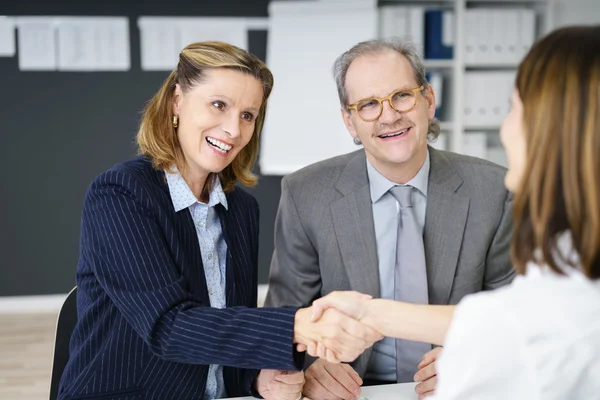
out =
column 59, row 130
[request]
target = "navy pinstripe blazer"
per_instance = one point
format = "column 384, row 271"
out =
column 145, row 328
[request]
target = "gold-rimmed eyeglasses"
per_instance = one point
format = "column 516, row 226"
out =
column 401, row 100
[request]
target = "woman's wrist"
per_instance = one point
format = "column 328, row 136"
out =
column 301, row 322
column 374, row 317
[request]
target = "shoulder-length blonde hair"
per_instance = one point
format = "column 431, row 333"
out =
column 559, row 84
column 157, row 138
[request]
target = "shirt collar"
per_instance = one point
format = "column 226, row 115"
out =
column 183, row 197
column 379, row 184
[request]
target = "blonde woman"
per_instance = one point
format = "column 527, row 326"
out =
column 167, row 273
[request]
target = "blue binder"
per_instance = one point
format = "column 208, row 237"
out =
column 434, row 46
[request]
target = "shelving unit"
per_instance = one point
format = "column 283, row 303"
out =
column 455, row 70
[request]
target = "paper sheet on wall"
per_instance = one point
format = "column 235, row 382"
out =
column 37, row 43
column 304, row 124
column 93, row 44
column 7, row 37
column 162, row 38
column 73, row 43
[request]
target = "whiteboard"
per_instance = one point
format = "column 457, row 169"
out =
column 303, row 123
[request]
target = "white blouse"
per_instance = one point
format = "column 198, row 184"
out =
column 536, row 339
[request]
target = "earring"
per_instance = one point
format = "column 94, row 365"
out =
column 357, row 141
column 175, row 121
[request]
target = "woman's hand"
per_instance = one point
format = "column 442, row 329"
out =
column 274, row 384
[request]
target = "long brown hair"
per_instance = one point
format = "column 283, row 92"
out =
column 559, row 84
column 157, row 138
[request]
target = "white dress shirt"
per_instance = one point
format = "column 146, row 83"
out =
column 536, row 339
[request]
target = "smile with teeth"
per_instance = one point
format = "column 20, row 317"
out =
column 398, row 133
column 218, row 145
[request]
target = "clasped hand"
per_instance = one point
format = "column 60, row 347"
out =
column 333, row 328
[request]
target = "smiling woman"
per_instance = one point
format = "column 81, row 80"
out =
column 203, row 91
column 167, row 272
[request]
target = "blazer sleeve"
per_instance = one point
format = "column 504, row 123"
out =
column 498, row 269
column 295, row 277
column 127, row 248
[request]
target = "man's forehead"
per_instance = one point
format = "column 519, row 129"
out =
column 377, row 75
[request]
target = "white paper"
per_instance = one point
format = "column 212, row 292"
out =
column 7, row 37
column 230, row 30
column 93, row 44
column 163, row 38
column 304, row 124
column 37, row 43
column 159, row 43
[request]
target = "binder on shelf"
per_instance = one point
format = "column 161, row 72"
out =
column 487, row 97
column 470, row 37
column 498, row 36
column 437, row 45
column 510, row 37
column 404, row 22
column 482, row 36
column 526, row 24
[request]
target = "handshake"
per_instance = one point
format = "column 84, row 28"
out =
column 337, row 327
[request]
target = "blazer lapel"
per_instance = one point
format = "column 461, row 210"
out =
column 353, row 225
column 228, row 226
column 188, row 237
column 445, row 222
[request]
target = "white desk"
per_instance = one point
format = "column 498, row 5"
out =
column 399, row 391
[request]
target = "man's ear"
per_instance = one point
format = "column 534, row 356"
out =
column 430, row 97
column 348, row 122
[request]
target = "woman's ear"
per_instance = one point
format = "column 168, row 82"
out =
column 177, row 96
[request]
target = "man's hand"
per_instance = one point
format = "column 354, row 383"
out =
column 426, row 374
column 327, row 381
column 280, row 385
column 341, row 337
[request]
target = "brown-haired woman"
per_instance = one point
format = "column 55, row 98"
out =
column 538, row 338
column 167, row 273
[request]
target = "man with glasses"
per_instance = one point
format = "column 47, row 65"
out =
column 396, row 219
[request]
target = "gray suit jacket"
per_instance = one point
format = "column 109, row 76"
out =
column 325, row 236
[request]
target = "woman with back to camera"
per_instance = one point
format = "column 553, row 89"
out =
column 167, row 271
column 539, row 338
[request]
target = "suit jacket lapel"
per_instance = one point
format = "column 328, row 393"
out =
column 353, row 224
column 445, row 222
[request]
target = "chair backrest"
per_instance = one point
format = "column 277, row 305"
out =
column 67, row 318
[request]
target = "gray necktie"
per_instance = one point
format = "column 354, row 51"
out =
column 410, row 279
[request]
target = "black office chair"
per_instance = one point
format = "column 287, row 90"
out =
column 67, row 318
